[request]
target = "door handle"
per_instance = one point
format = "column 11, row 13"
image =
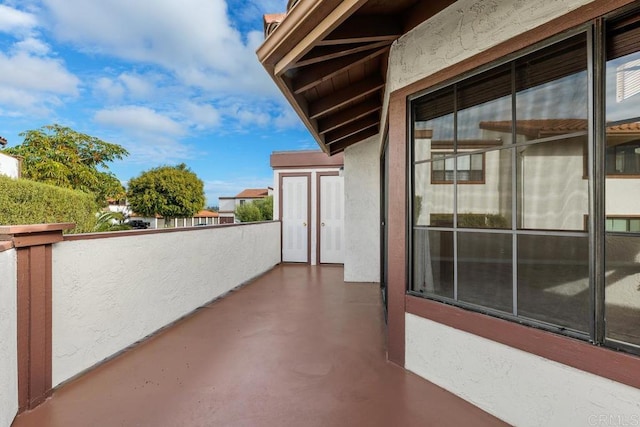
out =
column 304, row 224
column 322, row 224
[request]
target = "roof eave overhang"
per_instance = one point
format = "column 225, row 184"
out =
column 291, row 40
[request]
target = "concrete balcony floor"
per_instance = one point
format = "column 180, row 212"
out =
column 296, row 347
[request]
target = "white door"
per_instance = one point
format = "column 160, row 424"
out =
column 294, row 216
column 331, row 219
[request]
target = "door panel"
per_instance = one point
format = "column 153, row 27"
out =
column 295, row 221
column 331, row 219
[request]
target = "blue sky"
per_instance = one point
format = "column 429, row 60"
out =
column 171, row 81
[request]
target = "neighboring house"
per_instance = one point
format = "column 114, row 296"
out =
column 203, row 217
column 121, row 206
column 491, row 182
column 308, row 198
column 9, row 165
column 228, row 205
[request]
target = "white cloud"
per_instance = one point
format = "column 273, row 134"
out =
column 193, row 38
column 13, row 20
column 138, row 120
column 113, row 90
column 32, row 45
column 201, row 116
column 23, row 71
column 138, row 86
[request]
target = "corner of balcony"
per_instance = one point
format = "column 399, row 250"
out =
column 198, row 326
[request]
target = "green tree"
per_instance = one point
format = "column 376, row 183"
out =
column 63, row 157
column 258, row 210
column 248, row 212
column 266, row 208
column 170, row 191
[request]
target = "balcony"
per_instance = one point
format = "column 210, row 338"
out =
column 295, row 345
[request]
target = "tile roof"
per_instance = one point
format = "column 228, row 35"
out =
column 253, row 193
column 3, row 141
column 539, row 128
column 206, row 214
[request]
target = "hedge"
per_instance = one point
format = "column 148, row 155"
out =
column 28, row 202
column 470, row 220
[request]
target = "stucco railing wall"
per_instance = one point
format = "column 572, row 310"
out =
column 8, row 336
column 109, row 292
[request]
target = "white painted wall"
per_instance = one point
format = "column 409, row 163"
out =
column 8, row 338
column 109, row 293
column 362, row 212
column 518, row 387
column 9, row 166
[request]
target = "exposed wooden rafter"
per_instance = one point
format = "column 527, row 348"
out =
column 365, row 28
column 352, row 128
column 343, row 96
column 344, row 143
column 348, row 115
column 315, row 74
column 330, row 57
column 326, row 53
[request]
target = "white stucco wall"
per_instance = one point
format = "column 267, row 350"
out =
column 109, row 293
column 362, row 212
column 8, row 338
column 9, row 166
column 518, row 387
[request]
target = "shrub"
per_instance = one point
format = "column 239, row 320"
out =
column 28, row 202
column 470, row 220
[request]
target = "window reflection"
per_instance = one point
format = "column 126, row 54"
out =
column 623, row 288
column 433, row 262
column 488, row 205
column 553, row 280
column 552, row 194
column 622, row 223
column 485, row 270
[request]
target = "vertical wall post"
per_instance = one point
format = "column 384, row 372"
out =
column 33, row 244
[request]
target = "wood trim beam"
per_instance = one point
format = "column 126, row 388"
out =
column 364, row 28
column 344, row 117
column 341, row 97
column 34, row 302
column 313, row 75
column 351, row 129
column 326, row 53
column 340, row 146
column 322, row 28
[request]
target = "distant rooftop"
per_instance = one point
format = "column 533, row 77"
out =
column 3, row 141
column 253, row 193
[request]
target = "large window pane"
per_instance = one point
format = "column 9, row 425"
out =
column 552, row 91
column 487, row 205
column 433, row 262
column 485, row 272
column 553, row 280
column 552, row 193
column 433, row 125
column 432, row 203
column 484, row 110
column 622, row 293
column 623, row 288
